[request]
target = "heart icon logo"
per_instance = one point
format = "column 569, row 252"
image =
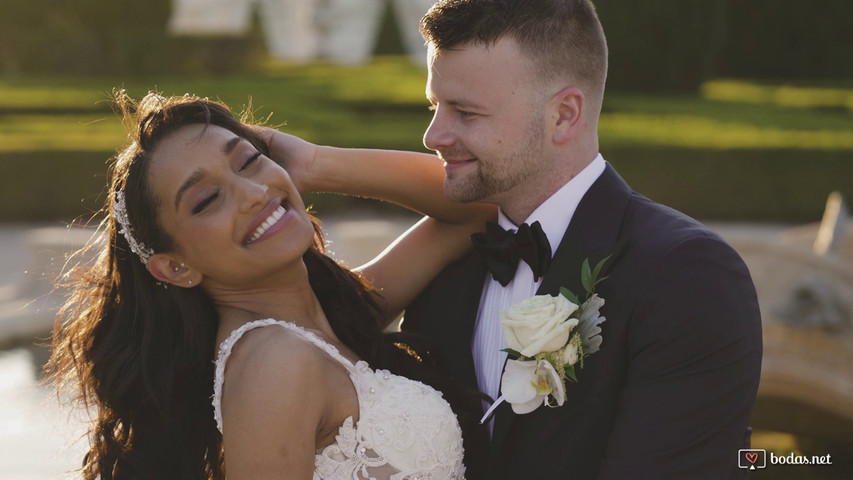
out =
column 751, row 457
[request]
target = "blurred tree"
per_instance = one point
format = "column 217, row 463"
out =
column 789, row 39
column 662, row 45
column 656, row 45
column 125, row 37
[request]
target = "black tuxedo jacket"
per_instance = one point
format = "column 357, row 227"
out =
column 670, row 392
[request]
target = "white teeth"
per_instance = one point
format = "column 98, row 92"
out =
column 270, row 221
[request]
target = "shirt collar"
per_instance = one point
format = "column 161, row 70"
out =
column 555, row 213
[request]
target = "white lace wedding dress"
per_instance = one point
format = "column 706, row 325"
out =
column 405, row 429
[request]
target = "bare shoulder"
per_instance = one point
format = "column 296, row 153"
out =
column 273, row 361
column 276, row 400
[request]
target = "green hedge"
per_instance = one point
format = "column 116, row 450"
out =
column 788, row 186
column 766, row 186
column 71, row 186
column 51, row 185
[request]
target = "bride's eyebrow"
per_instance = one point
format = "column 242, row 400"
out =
column 199, row 174
column 193, row 179
column 230, row 145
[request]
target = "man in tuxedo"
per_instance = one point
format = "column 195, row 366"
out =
column 517, row 88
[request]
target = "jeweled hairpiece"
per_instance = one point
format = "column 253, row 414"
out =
column 120, row 214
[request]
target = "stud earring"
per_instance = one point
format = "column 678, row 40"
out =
column 190, row 282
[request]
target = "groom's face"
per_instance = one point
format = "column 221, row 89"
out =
column 488, row 122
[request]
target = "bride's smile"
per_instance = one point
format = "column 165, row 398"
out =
column 268, row 224
column 237, row 215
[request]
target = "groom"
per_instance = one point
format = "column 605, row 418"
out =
column 517, row 88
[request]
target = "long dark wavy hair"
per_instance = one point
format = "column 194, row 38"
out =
column 142, row 355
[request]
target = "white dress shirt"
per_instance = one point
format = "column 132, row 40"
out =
column 554, row 214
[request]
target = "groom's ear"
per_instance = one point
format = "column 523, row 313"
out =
column 568, row 106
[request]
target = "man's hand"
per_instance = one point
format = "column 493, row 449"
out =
column 296, row 155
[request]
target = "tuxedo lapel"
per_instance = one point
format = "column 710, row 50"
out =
column 566, row 262
column 453, row 313
column 592, row 234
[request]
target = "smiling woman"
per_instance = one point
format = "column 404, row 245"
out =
column 208, row 243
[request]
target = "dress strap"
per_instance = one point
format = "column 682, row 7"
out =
column 228, row 344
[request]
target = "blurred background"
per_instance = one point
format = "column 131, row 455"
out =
column 737, row 112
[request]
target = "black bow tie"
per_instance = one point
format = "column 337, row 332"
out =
column 501, row 249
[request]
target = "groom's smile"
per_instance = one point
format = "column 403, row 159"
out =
column 451, row 165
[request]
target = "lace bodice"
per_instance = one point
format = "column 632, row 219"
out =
column 405, row 429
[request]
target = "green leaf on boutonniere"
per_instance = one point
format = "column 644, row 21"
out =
column 513, row 353
column 589, row 277
column 569, row 295
column 598, row 267
column 586, row 277
column 570, row 372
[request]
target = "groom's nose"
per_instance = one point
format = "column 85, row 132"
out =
column 439, row 134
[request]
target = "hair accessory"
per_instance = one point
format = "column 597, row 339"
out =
column 120, row 214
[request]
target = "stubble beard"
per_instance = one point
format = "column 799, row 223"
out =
column 489, row 182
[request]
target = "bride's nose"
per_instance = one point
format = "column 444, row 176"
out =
column 252, row 195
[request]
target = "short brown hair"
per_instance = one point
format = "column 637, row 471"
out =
column 563, row 37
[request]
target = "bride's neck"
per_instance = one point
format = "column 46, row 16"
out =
column 293, row 301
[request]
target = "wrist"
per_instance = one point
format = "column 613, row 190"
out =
column 317, row 170
column 325, row 168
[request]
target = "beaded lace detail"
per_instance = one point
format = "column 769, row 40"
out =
column 405, row 431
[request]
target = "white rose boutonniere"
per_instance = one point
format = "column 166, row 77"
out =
column 547, row 338
column 538, row 324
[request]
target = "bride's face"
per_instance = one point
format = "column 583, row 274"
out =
column 233, row 213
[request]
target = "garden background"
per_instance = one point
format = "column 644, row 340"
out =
column 729, row 110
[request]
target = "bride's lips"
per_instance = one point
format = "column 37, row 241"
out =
column 271, row 219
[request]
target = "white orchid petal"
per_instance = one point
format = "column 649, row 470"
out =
column 516, row 382
column 545, row 369
column 527, row 407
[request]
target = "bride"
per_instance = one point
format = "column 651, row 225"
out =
column 212, row 334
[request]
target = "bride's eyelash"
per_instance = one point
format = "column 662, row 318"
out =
column 250, row 160
column 207, row 201
column 204, row 203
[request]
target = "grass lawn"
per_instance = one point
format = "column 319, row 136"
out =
column 662, row 144
column 382, row 104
